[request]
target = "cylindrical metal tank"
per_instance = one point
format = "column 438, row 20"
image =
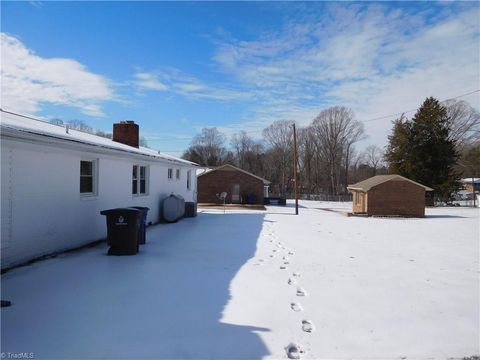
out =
column 173, row 208
column 170, row 209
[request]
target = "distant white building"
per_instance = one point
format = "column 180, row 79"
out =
column 470, row 183
column 55, row 181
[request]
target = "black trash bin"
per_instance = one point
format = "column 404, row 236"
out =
column 142, row 237
column 122, row 230
column 190, row 209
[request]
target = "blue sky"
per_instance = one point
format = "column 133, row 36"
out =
column 176, row 67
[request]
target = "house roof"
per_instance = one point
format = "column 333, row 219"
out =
column 231, row 167
column 16, row 124
column 369, row 183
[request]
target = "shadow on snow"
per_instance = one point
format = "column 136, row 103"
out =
column 165, row 302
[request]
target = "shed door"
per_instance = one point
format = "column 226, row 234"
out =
column 363, row 202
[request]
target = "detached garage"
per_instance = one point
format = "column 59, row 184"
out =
column 241, row 186
column 389, row 195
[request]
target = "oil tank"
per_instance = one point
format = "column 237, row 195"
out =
column 173, row 208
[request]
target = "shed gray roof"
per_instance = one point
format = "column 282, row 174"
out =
column 231, row 167
column 369, row 183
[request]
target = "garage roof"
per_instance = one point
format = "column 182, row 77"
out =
column 231, row 167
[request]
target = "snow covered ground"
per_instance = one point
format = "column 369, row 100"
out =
column 230, row 287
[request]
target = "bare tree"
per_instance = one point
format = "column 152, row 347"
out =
column 373, row 157
column 74, row 124
column 279, row 136
column 306, row 159
column 336, row 131
column 464, row 123
column 81, row 126
column 207, row 148
column 56, row 121
column 242, row 144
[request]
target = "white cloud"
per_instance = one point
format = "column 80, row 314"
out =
column 148, row 81
column 179, row 83
column 372, row 58
column 28, row 80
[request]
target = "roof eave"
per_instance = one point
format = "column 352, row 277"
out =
column 26, row 134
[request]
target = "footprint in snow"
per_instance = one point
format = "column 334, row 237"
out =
column 301, row 292
column 292, row 281
column 294, row 351
column 296, row 274
column 296, row 307
column 286, row 258
column 291, row 253
column 274, row 250
column 286, row 263
column 283, row 267
column 307, row 326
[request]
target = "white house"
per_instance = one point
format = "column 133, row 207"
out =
column 55, row 181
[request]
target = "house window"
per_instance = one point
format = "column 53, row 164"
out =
column 139, row 180
column 87, row 177
column 178, row 174
column 170, row 173
column 189, row 173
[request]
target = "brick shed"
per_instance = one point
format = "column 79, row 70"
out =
column 239, row 185
column 389, row 195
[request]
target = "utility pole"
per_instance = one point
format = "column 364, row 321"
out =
column 295, row 167
column 473, row 191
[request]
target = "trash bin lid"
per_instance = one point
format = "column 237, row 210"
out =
column 140, row 208
column 120, row 211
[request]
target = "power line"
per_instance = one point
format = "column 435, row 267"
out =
column 368, row 120
column 407, row 111
column 261, row 130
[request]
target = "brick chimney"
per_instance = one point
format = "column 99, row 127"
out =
column 126, row 132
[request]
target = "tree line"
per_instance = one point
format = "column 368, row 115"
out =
column 440, row 143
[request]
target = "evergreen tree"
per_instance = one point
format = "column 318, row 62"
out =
column 421, row 149
column 398, row 153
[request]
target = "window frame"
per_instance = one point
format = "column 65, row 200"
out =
column 170, row 173
column 177, row 174
column 137, row 168
column 189, row 180
column 94, row 177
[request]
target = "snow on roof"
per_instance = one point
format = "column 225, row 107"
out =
column 231, row 167
column 369, row 183
column 203, row 170
column 26, row 124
